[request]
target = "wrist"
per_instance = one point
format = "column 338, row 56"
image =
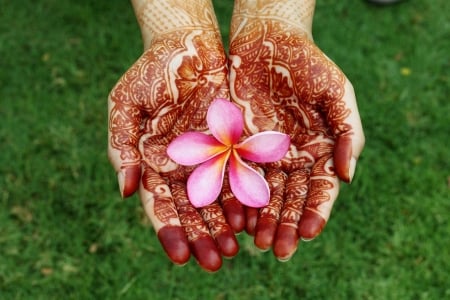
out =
column 156, row 18
column 298, row 13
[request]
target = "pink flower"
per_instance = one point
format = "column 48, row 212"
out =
column 226, row 124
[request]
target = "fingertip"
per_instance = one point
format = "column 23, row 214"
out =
column 264, row 234
column 342, row 156
column 206, row 253
column 175, row 244
column 234, row 214
column 128, row 178
column 251, row 215
column 227, row 243
column 311, row 225
column 286, row 242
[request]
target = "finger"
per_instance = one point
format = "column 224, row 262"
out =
column 232, row 208
column 123, row 134
column 219, row 229
column 159, row 206
column 269, row 216
column 201, row 242
column 287, row 236
column 251, row 218
column 322, row 193
column 343, row 117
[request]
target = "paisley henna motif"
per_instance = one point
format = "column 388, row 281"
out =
column 282, row 81
column 164, row 94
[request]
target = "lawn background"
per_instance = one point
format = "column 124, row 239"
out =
column 66, row 234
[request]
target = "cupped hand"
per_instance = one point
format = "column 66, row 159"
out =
column 284, row 82
column 164, row 94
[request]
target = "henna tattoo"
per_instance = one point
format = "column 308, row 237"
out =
column 271, row 212
column 165, row 93
column 160, row 17
column 164, row 209
column 213, row 216
column 268, row 219
column 297, row 188
column 190, row 218
column 282, row 81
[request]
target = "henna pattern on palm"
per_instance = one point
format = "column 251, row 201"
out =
column 283, row 82
column 166, row 93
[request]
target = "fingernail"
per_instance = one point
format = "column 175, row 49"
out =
column 121, row 180
column 128, row 178
column 351, row 169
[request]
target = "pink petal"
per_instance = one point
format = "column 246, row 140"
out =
column 192, row 148
column 225, row 121
column 205, row 183
column 263, row 147
column 247, row 185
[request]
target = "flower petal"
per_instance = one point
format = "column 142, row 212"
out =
column 205, row 183
column 225, row 121
column 192, row 148
column 263, row 147
column 249, row 187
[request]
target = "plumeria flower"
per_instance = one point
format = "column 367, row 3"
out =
column 226, row 123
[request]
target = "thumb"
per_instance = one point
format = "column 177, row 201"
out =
column 349, row 134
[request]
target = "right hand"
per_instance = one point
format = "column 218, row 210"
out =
column 164, row 94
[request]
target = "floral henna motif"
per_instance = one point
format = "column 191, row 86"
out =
column 283, row 82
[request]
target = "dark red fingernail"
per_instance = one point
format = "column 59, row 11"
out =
column 175, row 244
column 227, row 243
column 234, row 214
column 286, row 242
column 265, row 233
column 206, row 253
column 311, row 225
column 128, row 178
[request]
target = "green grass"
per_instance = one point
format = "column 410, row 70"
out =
column 66, row 234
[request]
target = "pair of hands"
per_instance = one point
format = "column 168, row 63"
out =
column 281, row 81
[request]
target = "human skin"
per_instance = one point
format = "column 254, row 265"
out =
column 164, row 94
column 282, row 81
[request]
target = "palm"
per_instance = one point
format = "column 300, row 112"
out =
column 284, row 82
column 166, row 93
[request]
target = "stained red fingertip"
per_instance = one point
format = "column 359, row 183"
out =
column 311, row 225
column 129, row 180
column 206, row 253
column 286, row 242
column 251, row 215
column 234, row 214
column 265, row 233
column 227, row 243
column 175, row 244
column 342, row 155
